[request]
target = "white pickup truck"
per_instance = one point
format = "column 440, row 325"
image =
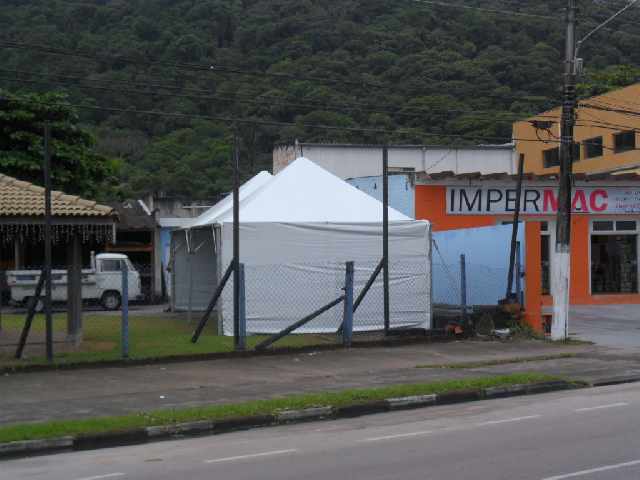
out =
column 102, row 283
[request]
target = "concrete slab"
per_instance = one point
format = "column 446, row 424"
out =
column 613, row 326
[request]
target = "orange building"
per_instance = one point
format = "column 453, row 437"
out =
column 607, row 135
column 604, row 239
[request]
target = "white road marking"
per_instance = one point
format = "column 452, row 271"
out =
column 600, row 407
column 508, row 420
column 251, row 455
column 400, row 435
column 594, row 470
column 100, row 477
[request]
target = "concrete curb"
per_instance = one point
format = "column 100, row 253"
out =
column 28, row 447
column 164, row 432
column 615, row 381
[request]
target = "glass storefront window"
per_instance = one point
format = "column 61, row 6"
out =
column 614, row 263
column 545, row 242
column 626, row 225
column 602, row 226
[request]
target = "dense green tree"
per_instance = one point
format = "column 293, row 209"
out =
column 421, row 72
column 76, row 167
column 602, row 81
column 192, row 161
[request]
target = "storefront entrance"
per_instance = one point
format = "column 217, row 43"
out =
column 614, row 257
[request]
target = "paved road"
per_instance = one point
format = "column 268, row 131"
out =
column 584, row 435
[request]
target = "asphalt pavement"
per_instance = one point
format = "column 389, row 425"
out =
column 591, row 434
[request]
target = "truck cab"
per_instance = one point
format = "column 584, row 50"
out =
column 108, row 273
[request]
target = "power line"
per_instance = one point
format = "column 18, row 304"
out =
column 509, row 13
column 259, row 101
column 193, row 68
column 274, row 123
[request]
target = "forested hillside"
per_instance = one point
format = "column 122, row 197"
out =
column 380, row 70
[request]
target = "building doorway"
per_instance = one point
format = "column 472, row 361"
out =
column 614, row 257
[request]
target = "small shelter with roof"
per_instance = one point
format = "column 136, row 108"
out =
column 297, row 231
column 78, row 226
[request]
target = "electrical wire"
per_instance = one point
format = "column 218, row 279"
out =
column 509, row 13
column 274, row 123
column 195, row 68
column 260, row 101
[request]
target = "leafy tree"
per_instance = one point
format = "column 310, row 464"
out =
column 75, row 166
column 194, row 161
column 420, row 72
column 611, row 78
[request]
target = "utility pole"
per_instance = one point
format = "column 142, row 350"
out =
column 47, row 242
column 561, row 265
column 238, row 339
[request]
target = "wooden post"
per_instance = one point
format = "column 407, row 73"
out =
column 74, row 291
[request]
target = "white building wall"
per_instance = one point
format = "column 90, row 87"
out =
column 355, row 161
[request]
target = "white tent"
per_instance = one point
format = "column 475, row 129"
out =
column 297, row 230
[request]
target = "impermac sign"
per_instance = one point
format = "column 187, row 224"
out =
column 541, row 200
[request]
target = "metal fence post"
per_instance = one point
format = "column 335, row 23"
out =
column 242, row 307
column 385, row 238
column 347, row 319
column 125, row 311
column 190, row 300
column 463, row 288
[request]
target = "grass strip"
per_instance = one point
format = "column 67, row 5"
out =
column 150, row 337
column 502, row 361
column 59, row 428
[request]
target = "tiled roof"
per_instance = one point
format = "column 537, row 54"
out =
column 24, row 199
column 628, row 175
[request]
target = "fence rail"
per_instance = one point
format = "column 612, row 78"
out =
column 284, row 305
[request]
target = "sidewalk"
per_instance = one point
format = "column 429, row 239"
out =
column 114, row 391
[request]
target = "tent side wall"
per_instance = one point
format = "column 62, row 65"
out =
column 195, row 268
column 292, row 269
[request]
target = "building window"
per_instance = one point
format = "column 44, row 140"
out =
column 602, row 226
column 551, row 157
column 545, row 243
column 624, row 141
column 614, row 257
column 593, row 147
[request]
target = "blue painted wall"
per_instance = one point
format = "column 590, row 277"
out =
column 487, row 258
column 401, row 191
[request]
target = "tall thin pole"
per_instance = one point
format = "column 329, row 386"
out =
column 47, row 241
column 514, row 230
column 561, row 272
column 238, row 340
column 385, row 236
column 125, row 310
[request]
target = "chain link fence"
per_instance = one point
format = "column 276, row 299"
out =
column 468, row 286
column 277, row 296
